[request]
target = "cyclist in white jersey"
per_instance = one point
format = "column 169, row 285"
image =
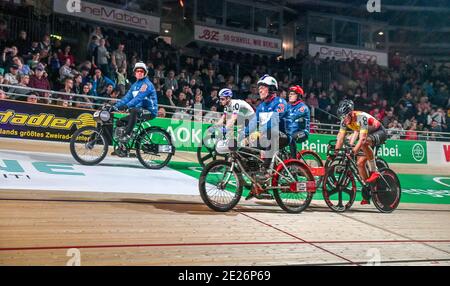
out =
column 235, row 110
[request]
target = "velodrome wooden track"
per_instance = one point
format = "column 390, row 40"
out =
column 39, row 227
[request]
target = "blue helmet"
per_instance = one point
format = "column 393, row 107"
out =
column 225, row 92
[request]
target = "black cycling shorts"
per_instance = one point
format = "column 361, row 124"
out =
column 379, row 136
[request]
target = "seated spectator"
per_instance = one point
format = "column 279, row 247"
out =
column 12, row 77
column 66, row 70
column 161, row 112
column 82, row 100
column 212, row 99
column 65, row 99
column 167, row 98
column 8, row 55
column 77, row 84
column 66, row 54
column 22, row 69
column 32, row 98
column 395, row 130
column 34, row 60
column 411, row 133
column 85, row 76
column 212, row 116
column 3, row 95
column 20, row 92
column 171, row 82
column 100, row 82
column 181, row 101
column 40, row 81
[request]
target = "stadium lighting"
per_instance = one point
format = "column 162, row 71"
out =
column 380, row 33
column 166, row 31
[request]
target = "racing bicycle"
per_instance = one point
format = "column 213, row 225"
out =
column 289, row 181
column 339, row 183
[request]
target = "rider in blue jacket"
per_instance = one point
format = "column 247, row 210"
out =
column 298, row 121
column 271, row 112
column 142, row 95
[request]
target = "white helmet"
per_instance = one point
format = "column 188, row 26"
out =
column 141, row 65
column 268, row 81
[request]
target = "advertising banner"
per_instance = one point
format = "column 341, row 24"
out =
column 47, row 122
column 41, row 121
column 393, row 151
column 343, row 53
column 439, row 153
column 108, row 15
column 236, row 39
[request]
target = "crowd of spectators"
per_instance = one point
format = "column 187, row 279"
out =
column 411, row 95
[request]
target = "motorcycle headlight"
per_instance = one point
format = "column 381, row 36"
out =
column 105, row 115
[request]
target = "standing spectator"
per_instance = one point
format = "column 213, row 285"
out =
column 45, row 45
column 121, row 80
column 22, row 43
column 92, row 47
column 101, row 58
column 119, row 58
column 39, row 81
column 97, row 33
column 3, row 33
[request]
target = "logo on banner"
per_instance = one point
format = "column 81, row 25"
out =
column 418, row 152
column 447, row 152
column 73, row 6
column 374, row 6
column 45, row 120
column 210, row 35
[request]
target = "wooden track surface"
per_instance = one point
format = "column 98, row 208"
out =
column 39, row 227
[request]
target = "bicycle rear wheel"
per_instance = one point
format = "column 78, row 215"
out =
column 154, row 148
column 387, row 191
column 297, row 198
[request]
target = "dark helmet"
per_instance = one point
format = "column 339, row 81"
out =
column 345, row 107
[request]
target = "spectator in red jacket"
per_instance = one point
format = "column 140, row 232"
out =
column 39, row 80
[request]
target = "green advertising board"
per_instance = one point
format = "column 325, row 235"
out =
column 188, row 135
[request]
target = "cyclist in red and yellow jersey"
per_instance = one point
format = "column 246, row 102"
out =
column 371, row 133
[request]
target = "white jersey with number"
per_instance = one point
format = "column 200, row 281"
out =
column 239, row 107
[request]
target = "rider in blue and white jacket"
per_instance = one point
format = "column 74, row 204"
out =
column 141, row 95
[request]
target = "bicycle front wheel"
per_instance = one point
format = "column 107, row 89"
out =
column 154, row 148
column 88, row 145
column 220, row 187
column 339, row 187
